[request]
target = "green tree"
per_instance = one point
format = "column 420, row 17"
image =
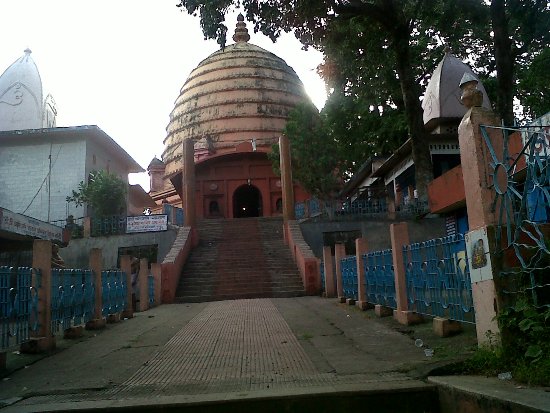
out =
column 521, row 32
column 104, row 192
column 534, row 86
column 314, row 157
column 393, row 24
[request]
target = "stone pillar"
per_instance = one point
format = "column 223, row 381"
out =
column 156, row 270
column 188, row 183
column 360, row 249
column 475, row 160
column 339, row 253
column 126, row 266
column 96, row 266
column 87, row 227
column 42, row 340
column 286, row 179
column 328, row 262
column 400, row 236
column 143, row 284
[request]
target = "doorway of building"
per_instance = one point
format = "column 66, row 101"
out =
column 247, row 202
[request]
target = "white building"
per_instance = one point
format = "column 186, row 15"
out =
column 40, row 164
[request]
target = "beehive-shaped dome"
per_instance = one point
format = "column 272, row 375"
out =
column 237, row 94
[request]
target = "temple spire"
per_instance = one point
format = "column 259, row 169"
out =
column 241, row 32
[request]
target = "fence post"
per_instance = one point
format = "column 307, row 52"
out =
column 156, row 270
column 96, row 265
column 339, row 253
column 126, row 266
column 481, row 217
column 42, row 340
column 360, row 249
column 400, row 236
column 328, row 262
column 143, row 285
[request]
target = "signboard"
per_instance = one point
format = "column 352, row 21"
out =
column 146, row 223
column 23, row 225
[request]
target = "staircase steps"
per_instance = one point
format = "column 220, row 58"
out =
column 239, row 258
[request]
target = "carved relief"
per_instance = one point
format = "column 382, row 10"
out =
column 13, row 95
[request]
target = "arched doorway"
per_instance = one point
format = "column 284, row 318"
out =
column 247, row 202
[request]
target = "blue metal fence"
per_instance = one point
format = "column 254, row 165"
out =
column 18, row 304
column 438, row 278
column 114, row 288
column 114, row 225
column 300, row 210
column 349, row 277
column 73, row 298
column 380, row 278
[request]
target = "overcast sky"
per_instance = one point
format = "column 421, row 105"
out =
column 120, row 64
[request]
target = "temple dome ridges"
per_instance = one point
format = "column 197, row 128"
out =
column 442, row 97
column 237, row 93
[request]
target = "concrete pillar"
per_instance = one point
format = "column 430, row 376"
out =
column 96, row 266
column 42, row 340
column 361, row 249
column 476, row 173
column 339, row 253
column 188, row 183
column 286, row 179
column 328, row 262
column 87, row 227
column 143, row 284
column 126, row 266
column 156, row 270
column 400, row 236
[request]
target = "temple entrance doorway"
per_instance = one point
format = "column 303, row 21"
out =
column 247, row 202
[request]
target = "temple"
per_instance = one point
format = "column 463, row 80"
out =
column 233, row 107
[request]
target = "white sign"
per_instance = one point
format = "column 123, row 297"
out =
column 23, row 225
column 479, row 259
column 146, row 223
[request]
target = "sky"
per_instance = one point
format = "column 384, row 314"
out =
column 120, row 64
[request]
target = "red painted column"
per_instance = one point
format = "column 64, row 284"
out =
column 400, row 236
column 286, row 179
column 475, row 160
column 328, row 262
column 143, row 284
column 339, row 253
column 96, row 265
column 189, row 190
column 126, row 266
column 156, row 270
column 42, row 340
column 361, row 248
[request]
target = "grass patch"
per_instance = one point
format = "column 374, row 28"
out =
column 490, row 361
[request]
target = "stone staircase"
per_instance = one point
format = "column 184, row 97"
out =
column 239, row 258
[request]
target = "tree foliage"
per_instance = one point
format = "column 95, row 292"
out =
column 104, row 192
column 314, row 156
column 380, row 53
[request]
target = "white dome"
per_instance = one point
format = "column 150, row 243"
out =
column 22, row 104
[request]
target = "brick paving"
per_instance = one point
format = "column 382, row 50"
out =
column 230, row 346
column 239, row 347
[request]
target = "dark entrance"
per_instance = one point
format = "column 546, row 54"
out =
column 247, row 202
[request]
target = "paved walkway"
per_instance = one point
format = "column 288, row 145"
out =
column 224, row 350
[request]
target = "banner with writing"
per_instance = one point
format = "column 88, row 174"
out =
column 146, row 223
column 23, row 225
